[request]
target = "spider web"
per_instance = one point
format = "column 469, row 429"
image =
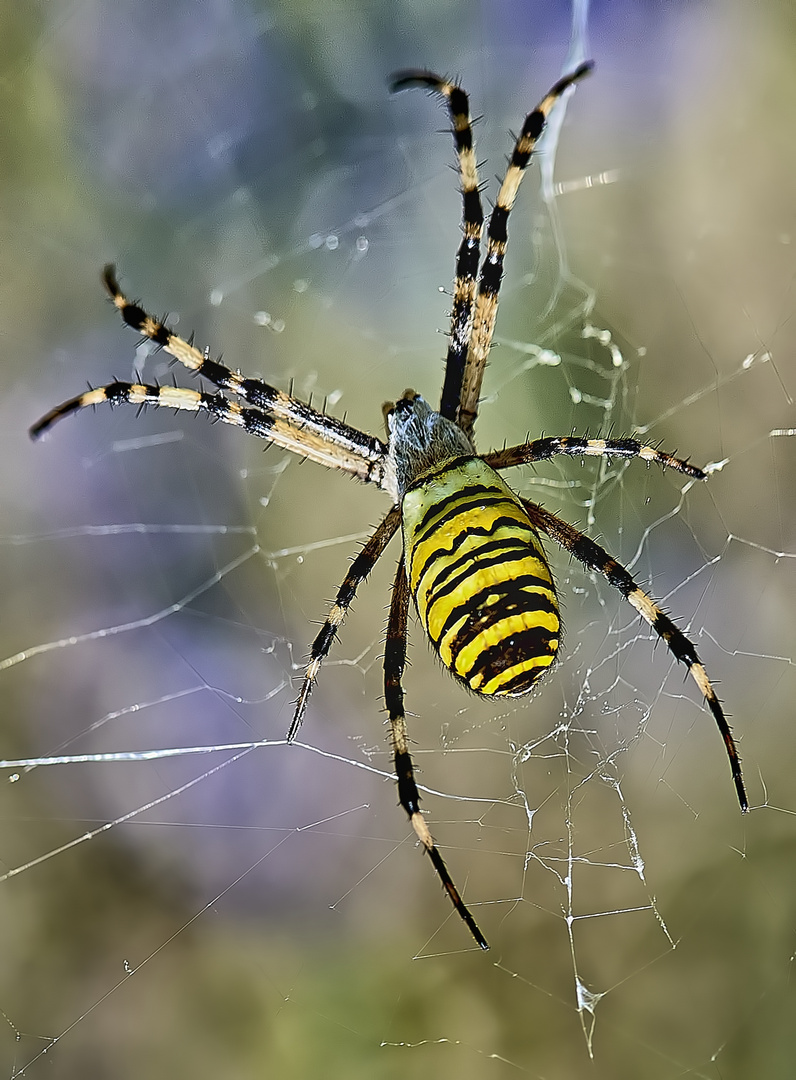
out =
column 184, row 894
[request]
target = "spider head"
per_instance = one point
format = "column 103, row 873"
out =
column 419, row 439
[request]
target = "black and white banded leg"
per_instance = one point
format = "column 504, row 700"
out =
column 281, row 432
column 469, row 254
column 595, row 558
column 361, row 566
column 316, row 427
column 408, row 795
column 575, row 446
column 486, row 303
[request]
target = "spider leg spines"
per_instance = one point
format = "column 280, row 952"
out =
column 269, row 413
column 405, row 79
column 352, row 450
column 576, row 446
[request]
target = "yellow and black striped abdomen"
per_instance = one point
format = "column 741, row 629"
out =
column 480, row 578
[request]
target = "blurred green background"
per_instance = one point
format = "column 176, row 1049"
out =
column 268, row 914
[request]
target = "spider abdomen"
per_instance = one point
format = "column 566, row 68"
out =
column 480, row 579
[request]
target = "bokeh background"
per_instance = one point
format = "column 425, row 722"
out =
column 264, row 911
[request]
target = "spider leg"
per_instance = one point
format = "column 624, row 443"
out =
column 575, row 446
column 595, row 558
column 486, row 303
column 254, row 392
column 408, row 795
column 360, row 568
column 334, row 454
column 469, row 253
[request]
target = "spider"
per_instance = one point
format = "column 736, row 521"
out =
column 472, row 560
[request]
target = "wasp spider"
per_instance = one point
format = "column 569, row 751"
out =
column 472, row 558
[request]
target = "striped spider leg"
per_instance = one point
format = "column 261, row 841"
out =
column 469, row 255
column 486, row 303
column 408, row 795
column 362, row 565
column 596, row 558
column 271, row 413
column 347, row 449
column 576, row 446
column 474, row 313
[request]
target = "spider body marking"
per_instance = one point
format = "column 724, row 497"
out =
column 472, row 556
column 476, row 568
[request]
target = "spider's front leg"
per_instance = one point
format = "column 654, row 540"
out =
column 409, row 797
column 469, row 253
column 486, row 303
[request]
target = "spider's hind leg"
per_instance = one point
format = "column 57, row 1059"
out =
column 409, row 797
column 595, row 558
